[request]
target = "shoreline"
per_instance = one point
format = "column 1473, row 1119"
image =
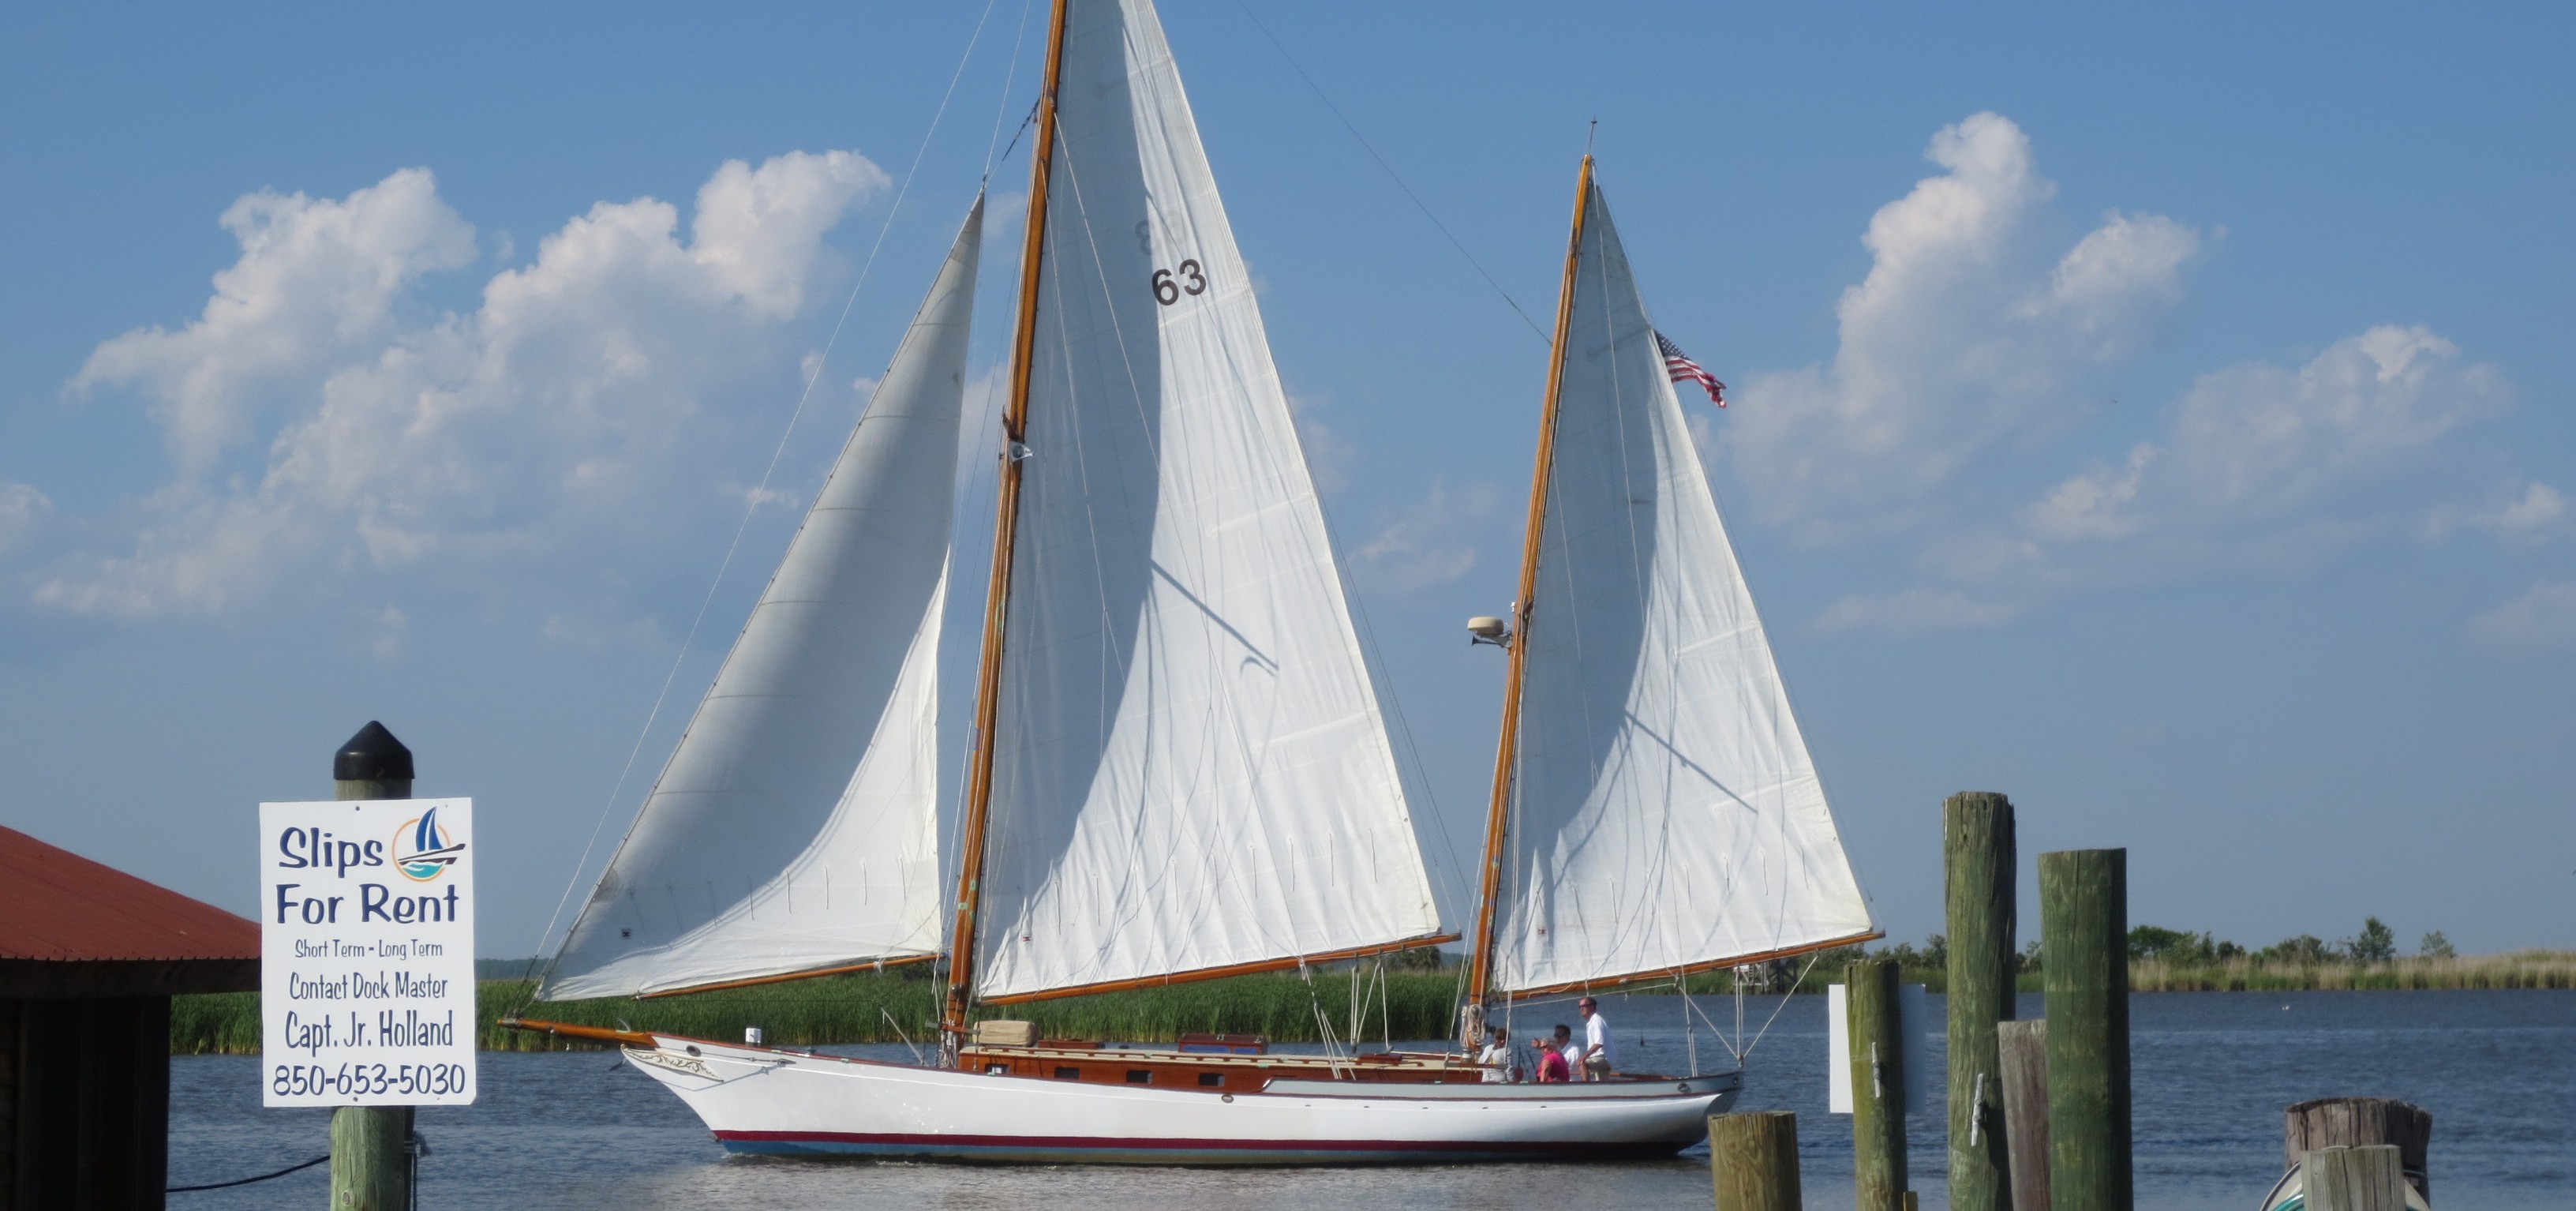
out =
column 885, row 1008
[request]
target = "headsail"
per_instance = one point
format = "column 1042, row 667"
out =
column 795, row 827
column 1664, row 814
column 1190, row 772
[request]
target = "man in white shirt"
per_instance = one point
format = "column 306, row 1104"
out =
column 1596, row 1042
column 1496, row 1058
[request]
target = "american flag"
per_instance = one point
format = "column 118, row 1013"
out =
column 1679, row 365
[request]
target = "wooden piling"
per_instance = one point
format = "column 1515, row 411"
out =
column 1754, row 1160
column 371, row 1160
column 2084, row 925
column 370, row 1168
column 2353, row 1122
column 1878, row 1085
column 2354, row 1179
column 1977, row 861
column 2021, row 1050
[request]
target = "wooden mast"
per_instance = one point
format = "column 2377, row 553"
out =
column 988, row 687
column 1480, row 957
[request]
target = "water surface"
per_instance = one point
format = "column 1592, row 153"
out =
column 2211, row 1074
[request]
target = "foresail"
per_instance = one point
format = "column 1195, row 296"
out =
column 1665, row 813
column 795, row 827
column 1190, row 768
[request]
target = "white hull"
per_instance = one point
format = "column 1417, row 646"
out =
column 762, row 1100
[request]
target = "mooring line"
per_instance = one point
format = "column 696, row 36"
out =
column 244, row 1181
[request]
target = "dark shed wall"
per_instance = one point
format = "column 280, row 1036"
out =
column 87, row 1104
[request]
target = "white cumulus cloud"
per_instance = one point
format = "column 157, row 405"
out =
column 1967, row 332
column 2258, row 468
column 23, row 510
column 1430, row 542
column 1910, row 611
column 565, row 416
column 317, row 280
column 1969, row 355
column 2258, row 448
column 2543, row 619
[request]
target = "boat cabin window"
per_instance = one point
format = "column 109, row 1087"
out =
column 1068, row 1074
column 1211, row 1080
column 1140, row 1076
column 996, row 1069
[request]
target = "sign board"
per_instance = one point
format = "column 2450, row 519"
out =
column 1913, row 1018
column 366, row 971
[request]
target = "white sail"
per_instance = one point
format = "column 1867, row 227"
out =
column 1190, row 768
column 1665, row 813
column 795, row 827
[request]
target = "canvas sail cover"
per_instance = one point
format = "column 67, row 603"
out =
column 1190, row 770
column 795, row 827
column 1664, row 810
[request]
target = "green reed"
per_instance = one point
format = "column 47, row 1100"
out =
column 892, row 1007
column 2522, row 969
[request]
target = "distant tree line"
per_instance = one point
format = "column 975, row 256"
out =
column 2376, row 943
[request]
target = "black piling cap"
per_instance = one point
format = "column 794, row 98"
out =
column 373, row 755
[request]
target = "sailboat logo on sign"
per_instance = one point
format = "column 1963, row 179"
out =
column 422, row 849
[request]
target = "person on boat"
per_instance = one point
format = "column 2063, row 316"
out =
column 1553, row 1065
column 1497, row 1057
column 1595, row 1061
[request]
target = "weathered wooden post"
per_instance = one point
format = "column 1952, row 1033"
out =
column 2022, row 1058
column 1754, row 1160
column 1977, row 859
column 370, row 1145
column 2084, row 926
column 2354, row 1122
column 2354, row 1179
column 1878, row 1084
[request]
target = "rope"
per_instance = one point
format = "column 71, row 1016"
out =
column 248, row 1180
column 751, row 504
column 1389, row 169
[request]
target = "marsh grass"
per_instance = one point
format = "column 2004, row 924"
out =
column 2521, row 969
column 889, row 1008
column 1417, row 1005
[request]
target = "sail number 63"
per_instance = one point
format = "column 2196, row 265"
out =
column 1171, row 284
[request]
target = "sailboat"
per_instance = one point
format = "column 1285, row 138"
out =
column 1179, row 769
column 1655, row 810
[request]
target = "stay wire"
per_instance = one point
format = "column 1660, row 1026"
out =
column 1010, row 79
column 751, row 505
column 244, row 1181
column 1391, row 174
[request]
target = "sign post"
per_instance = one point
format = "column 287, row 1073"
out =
column 367, row 963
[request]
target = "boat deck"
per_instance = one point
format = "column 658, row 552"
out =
column 1138, row 1064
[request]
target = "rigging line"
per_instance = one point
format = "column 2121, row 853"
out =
column 1384, row 687
column 752, row 505
column 1010, row 77
column 1794, row 985
column 1391, row 175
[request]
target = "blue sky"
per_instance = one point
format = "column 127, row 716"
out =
column 2161, row 417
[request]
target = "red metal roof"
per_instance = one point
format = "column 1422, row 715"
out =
column 58, row 905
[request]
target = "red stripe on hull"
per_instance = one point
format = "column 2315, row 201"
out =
column 1560, row 1148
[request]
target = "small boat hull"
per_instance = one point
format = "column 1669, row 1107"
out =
column 770, row 1102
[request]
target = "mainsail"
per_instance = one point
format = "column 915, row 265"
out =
column 1663, row 814
column 1189, row 770
column 795, row 827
